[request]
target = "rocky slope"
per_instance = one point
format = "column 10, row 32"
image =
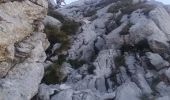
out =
column 96, row 50
column 120, row 52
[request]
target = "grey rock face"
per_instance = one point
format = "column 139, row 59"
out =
column 22, row 81
column 163, row 89
column 64, row 95
column 17, row 19
column 104, row 63
column 163, row 98
column 128, row 90
column 157, row 61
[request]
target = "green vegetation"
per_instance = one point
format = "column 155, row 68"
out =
column 76, row 63
column 119, row 61
column 122, row 5
column 57, row 36
column 141, row 47
column 127, row 7
column 70, row 27
column 61, row 35
column 53, row 75
column 90, row 12
column 114, row 8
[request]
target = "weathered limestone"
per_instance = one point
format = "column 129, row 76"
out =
column 16, row 22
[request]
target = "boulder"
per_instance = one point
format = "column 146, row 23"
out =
column 16, row 22
column 157, row 61
column 22, row 81
column 128, row 90
column 104, row 63
column 51, row 21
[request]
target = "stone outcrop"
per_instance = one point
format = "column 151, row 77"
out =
column 17, row 19
column 22, row 48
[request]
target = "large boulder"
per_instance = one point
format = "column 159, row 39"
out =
column 21, row 81
column 16, row 22
column 128, row 90
column 157, row 61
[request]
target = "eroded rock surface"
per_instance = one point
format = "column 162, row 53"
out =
column 22, row 48
column 120, row 52
column 17, row 20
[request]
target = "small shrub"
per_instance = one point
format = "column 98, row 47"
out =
column 61, row 59
column 91, row 69
column 90, row 12
column 114, row 8
column 143, row 45
column 52, row 75
column 56, row 36
column 122, row 5
column 70, row 27
column 76, row 63
column 126, row 48
column 127, row 7
column 119, row 61
column 113, row 77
